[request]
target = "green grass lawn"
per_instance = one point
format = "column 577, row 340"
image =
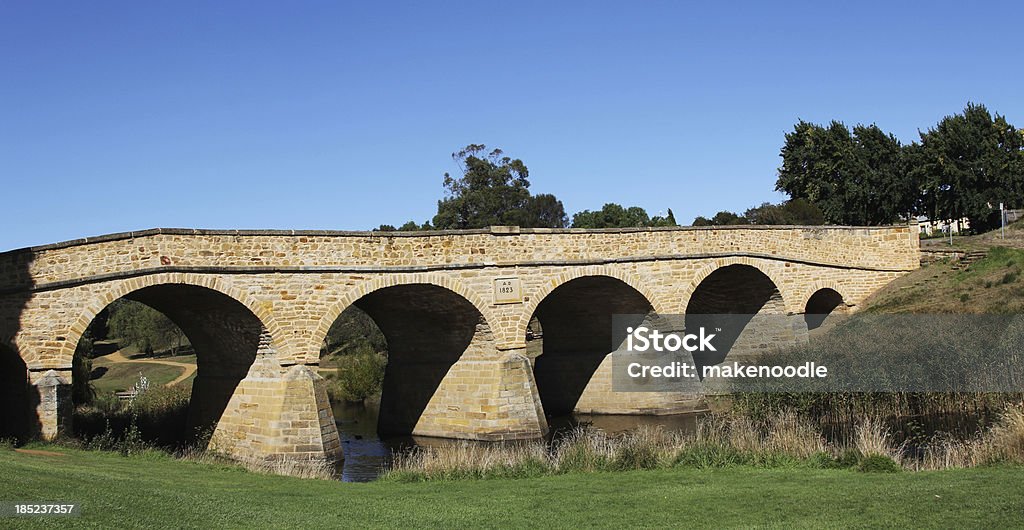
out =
column 121, row 376
column 158, row 491
column 187, row 359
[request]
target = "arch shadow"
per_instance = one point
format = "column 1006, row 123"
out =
column 427, row 328
column 726, row 302
column 19, row 413
column 576, row 320
column 820, row 306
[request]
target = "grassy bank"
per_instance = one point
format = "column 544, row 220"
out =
column 115, row 377
column 155, row 490
column 991, row 285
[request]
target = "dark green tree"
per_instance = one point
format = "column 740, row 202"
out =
column 411, row 226
column 857, row 178
column 352, row 331
column 886, row 191
column 494, row 190
column 82, row 390
column 722, row 218
column 668, row 220
column 967, row 164
column 802, row 212
column 543, row 211
column 134, row 323
column 612, row 215
column 791, row 212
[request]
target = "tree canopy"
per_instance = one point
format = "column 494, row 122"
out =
column 722, row 218
column 967, row 164
column 494, row 190
column 856, row 177
column 791, row 212
column 963, row 167
column 613, row 215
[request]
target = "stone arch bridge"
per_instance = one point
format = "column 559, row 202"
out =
column 454, row 307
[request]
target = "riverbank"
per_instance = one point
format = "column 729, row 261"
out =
column 152, row 490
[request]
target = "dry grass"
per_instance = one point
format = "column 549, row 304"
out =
column 873, row 438
column 1003, row 442
column 467, row 459
column 991, row 285
column 719, row 441
column 790, row 435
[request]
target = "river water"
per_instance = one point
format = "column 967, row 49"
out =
column 367, row 454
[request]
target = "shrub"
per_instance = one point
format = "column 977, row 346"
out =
column 711, row 455
column 157, row 417
column 360, row 375
column 878, row 464
column 635, row 456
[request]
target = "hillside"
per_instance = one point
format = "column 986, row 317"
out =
column 989, row 281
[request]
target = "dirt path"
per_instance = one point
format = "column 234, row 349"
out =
column 118, row 357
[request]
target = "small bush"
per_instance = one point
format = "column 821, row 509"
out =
column 635, row 456
column 872, row 438
column 824, row 460
column 360, row 375
column 878, row 464
column 157, row 417
column 847, row 458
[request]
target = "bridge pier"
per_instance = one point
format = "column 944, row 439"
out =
column 52, row 401
column 599, row 397
column 485, row 399
column 278, row 412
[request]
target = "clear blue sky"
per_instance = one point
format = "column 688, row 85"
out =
column 121, row 116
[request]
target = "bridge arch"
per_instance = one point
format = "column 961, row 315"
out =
column 225, row 334
column 702, row 274
column 744, row 304
column 126, row 287
column 429, row 324
column 383, row 282
column 15, row 420
column 822, row 299
column 572, row 367
column 541, row 293
column 811, row 289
